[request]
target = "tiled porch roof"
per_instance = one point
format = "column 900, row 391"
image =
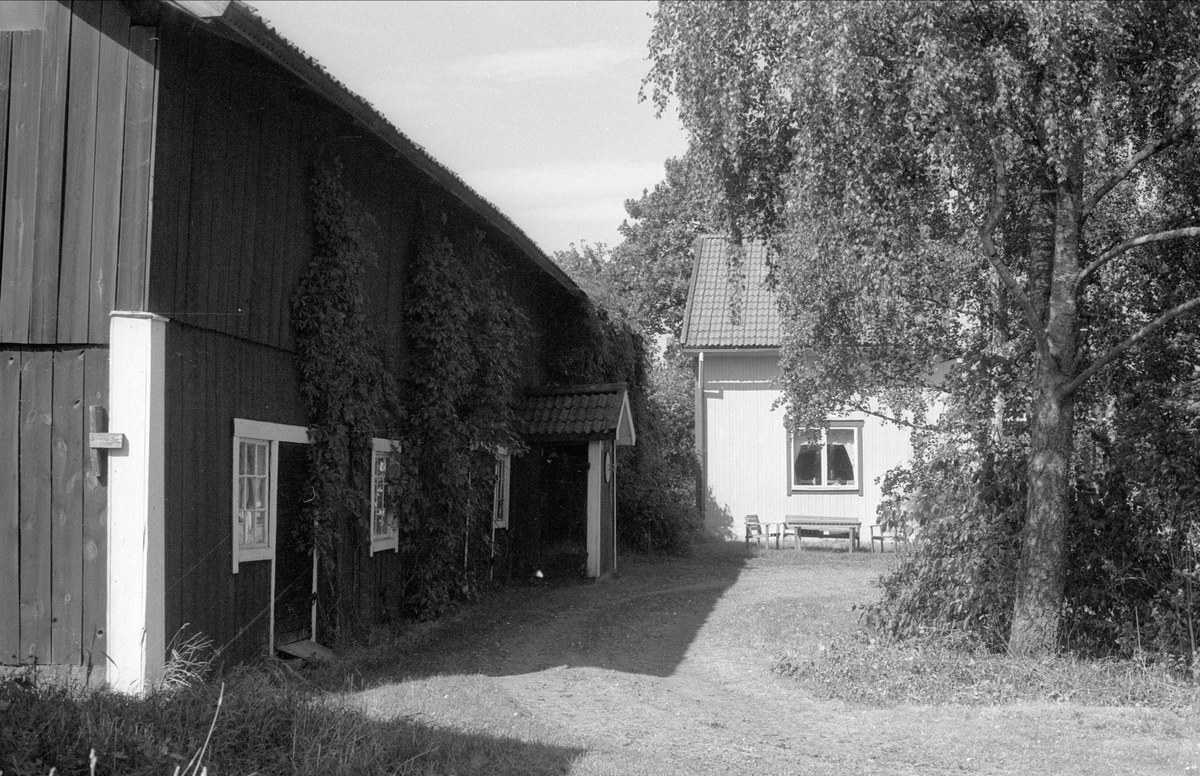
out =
column 577, row 413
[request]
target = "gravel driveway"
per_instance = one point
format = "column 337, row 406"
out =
column 667, row 668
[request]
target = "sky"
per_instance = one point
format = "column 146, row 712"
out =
column 533, row 104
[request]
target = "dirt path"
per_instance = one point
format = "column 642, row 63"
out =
column 667, row 669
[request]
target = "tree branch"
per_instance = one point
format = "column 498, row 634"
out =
column 999, row 205
column 1123, row 172
column 1141, row 334
column 899, row 421
column 1109, row 255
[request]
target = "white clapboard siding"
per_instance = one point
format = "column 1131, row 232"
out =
column 746, row 451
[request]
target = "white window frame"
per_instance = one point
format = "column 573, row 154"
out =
column 856, row 487
column 271, row 434
column 382, row 541
column 501, row 493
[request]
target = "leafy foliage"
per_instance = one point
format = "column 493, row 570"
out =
column 954, row 179
column 349, row 393
column 655, row 476
column 652, row 266
column 466, row 336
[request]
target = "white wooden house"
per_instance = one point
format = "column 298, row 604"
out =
column 751, row 463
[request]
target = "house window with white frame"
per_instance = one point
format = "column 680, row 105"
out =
column 385, row 532
column 500, row 497
column 827, row 459
column 255, row 478
column 253, row 494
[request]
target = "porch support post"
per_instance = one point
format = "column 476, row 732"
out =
column 595, row 483
column 136, row 557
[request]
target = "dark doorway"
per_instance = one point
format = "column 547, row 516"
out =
column 293, row 560
column 564, row 510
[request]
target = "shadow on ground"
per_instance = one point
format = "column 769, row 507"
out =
column 628, row 623
column 263, row 729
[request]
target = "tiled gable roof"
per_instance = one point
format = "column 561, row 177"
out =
column 576, row 413
column 709, row 321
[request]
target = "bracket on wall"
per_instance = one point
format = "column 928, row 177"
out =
column 99, row 439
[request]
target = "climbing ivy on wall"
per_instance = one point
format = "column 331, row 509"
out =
column 467, row 342
column 349, row 394
column 466, row 339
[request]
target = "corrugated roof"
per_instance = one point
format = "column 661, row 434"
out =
column 576, row 413
column 244, row 22
column 711, row 319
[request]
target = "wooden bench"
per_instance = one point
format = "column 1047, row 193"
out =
column 822, row 526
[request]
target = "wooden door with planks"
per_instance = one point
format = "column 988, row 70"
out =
column 53, row 507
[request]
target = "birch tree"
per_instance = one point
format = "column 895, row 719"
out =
column 943, row 179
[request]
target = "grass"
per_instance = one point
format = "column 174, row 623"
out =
column 270, row 721
column 939, row 672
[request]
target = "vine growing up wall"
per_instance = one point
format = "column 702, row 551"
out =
column 466, row 338
column 349, row 394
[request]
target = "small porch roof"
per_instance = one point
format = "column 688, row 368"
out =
column 577, row 413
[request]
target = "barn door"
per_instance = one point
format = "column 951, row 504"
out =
column 53, row 507
column 293, row 561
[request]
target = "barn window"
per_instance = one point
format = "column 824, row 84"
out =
column 254, row 494
column 500, row 495
column 385, row 532
column 827, row 458
column 255, row 480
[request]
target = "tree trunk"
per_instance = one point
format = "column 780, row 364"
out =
column 1040, row 575
column 1043, row 543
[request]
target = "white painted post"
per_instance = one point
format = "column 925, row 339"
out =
column 136, row 555
column 595, row 483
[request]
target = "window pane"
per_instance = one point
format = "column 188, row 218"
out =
column 252, row 482
column 842, row 456
column 806, row 465
column 382, row 520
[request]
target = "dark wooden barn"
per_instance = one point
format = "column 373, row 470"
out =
column 157, row 161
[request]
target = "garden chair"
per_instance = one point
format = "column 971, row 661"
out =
column 754, row 530
column 887, row 530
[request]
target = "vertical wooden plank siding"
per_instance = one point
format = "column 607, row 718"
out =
column 250, row 143
column 95, row 516
column 744, row 434
column 5, row 91
column 56, row 39
column 79, row 175
column 21, row 177
column 197, row 256
column 10, row 524
column 66, row 506
column 134, row 243
column 190, row 173
column 37, row 375
column 106, row 205
column 223, row 272
column 171, row 167
column 298, row 226
column 272, row 243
